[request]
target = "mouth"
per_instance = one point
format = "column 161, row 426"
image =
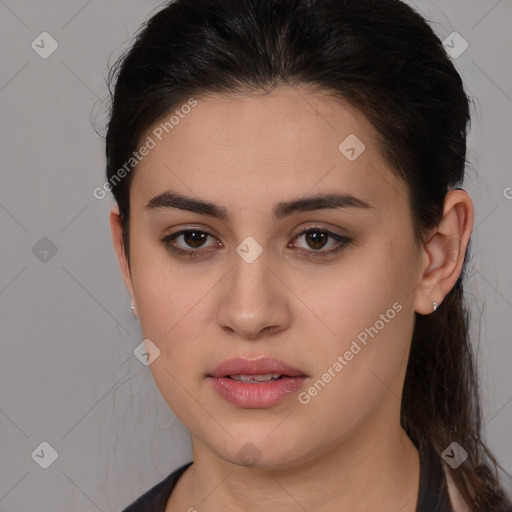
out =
column 269, row 377
column 255, row 370
column 255, row 383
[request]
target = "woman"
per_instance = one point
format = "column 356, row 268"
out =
column 291, row 229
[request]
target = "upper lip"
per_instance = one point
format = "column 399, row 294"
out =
column 260, row 366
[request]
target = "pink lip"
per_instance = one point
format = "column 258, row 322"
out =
column 255, row 395
column 261, row 366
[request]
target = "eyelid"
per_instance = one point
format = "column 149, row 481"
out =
column 318, row 226
column 342, row 242
column 168, row 240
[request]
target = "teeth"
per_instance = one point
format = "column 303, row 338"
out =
column 256, row 378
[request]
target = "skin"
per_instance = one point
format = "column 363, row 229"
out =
column 345, row 450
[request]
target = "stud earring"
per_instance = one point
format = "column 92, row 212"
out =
column 434, row 306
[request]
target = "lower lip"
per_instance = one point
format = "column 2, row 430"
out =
column 255, row 396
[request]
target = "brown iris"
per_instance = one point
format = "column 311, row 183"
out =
column 316, row 239
column 195, row 239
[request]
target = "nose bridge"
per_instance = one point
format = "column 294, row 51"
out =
column 252, row 302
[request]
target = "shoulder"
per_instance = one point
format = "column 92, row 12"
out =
column 155, row 499
column 456, row 499
column 458, row 503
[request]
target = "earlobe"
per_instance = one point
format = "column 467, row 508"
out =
column 444, row 252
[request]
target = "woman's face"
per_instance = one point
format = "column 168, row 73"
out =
column 336, row 303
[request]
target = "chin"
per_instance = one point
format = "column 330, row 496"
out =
column 262, row 455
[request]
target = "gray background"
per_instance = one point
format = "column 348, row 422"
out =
column 68, row 375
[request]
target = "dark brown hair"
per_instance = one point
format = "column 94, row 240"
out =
column 382, row 58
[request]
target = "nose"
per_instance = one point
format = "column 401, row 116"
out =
column 253, row 301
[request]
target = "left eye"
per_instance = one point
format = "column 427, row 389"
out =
column 317, row 239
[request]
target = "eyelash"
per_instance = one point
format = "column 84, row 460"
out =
column 313, row 254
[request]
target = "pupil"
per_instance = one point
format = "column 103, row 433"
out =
column 194, row 238
column 317, row 239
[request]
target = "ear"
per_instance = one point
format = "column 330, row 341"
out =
column 443, row 254
column 117, row 239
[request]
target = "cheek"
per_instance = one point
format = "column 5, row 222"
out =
column 165, row 291
column 357, row 292
column 173, row 310
column 172, row 313
column 367, row 314
column 174, row 303
column 359, row 369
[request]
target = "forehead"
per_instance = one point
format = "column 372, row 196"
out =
column 257, row 146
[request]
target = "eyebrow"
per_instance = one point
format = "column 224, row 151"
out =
column 169, row 199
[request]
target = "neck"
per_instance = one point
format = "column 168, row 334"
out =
column 366, row 473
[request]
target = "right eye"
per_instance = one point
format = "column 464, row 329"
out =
column 192, row 245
